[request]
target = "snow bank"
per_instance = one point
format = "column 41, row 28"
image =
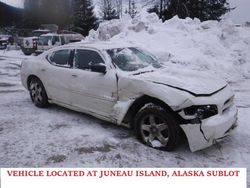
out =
column 217, row 47
column 13, row 53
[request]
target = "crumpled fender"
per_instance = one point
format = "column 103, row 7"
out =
column 211, row 130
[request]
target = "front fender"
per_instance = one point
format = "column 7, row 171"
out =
column 129, row 90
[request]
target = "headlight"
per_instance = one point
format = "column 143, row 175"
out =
column 201, row 112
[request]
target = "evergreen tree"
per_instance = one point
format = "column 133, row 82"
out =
column 84, row 18
column 119, row 4
column 9, row 16
column 39, row 12
column 159, row 8
column 154, row 9
column 110, row 10
column 132, row 8
column 31, row 14
column 55, row 12
column 202, row 9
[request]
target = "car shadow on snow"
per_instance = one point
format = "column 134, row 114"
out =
column 121, row 132
column 90, row 119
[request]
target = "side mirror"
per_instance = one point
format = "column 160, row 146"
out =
column 98, row 68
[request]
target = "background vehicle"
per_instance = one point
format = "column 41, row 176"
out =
column 29, row 44
column 4, row 40
column 71, row 36
column 32, row 44
column 48, row 41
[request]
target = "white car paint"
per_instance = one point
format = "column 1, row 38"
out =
column 28, row 42
column 109, row 96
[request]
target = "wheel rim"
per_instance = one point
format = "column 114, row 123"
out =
column 154, row 131
column 36, row 92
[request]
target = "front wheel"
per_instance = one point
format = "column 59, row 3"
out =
column 38, row 93
column 157, row 128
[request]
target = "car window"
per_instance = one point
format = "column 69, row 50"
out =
column 84, row 59
column 55, row 39
column 62, row 40
column 60, row 58
column 132, row 59
column 44, row 40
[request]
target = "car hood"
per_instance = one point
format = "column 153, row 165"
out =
column 196, row 83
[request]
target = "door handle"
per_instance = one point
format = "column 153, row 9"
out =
column 43, row 70
column 74, row 75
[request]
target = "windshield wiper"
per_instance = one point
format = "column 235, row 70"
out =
column 143, row 72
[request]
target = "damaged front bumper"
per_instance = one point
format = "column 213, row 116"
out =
column 211, row 130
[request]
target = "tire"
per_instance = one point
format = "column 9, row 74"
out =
column 157, row 128
column 27, row 52
column 38, row 93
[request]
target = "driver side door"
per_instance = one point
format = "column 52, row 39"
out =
column 92, row 91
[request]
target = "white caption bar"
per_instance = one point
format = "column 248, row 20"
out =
column 122, row 177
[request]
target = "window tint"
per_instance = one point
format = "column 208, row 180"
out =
column 60, row 58
column 84, row 59
column 55, row 39
column 62, row 40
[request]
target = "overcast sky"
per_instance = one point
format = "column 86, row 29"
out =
column 239, row 15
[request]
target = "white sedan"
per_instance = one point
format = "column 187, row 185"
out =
column 127, row 86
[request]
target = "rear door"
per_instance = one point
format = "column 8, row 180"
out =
column 58, row 75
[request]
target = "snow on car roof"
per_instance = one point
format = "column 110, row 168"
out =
column 101, row 45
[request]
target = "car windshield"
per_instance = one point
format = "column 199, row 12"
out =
column 44, row 40
column 132, row 59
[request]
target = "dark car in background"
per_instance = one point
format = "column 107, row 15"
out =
column 4, row 40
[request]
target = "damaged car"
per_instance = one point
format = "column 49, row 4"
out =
column 126, row 85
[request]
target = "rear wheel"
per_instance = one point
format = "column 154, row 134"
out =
column 38, row 93
column 27, row 52
column 157, row 128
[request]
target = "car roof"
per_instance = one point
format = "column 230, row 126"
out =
column 41, row 30
column 100, row 45
column 49, row 34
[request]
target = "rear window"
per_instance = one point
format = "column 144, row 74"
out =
column 44, row 40
column 60, row 58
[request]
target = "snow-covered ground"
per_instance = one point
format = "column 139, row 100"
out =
column 57, row 137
